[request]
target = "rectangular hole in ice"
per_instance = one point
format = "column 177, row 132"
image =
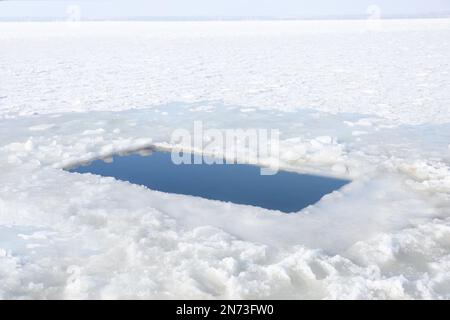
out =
column 238, row 183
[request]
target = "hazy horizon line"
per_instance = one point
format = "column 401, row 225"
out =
column 430, row 15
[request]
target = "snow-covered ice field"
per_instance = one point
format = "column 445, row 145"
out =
column 365, row 100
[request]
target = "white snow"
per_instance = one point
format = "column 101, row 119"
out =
column 349, row 101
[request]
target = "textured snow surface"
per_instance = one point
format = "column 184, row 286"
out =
column 350, row 100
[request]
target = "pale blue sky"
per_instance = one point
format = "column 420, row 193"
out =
column 101, row 9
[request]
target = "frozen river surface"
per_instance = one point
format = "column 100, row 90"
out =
column 352, row 99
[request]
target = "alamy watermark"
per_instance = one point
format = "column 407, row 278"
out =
column 374, row 18
column 226, row 146
column 73, row 15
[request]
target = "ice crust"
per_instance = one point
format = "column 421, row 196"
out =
column 369, row 105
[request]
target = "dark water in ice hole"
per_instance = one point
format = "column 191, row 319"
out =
column 238, row 183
